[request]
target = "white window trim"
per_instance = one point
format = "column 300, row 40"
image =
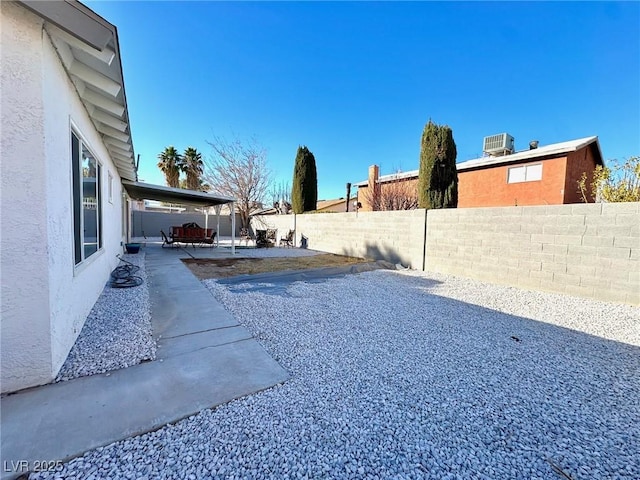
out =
column 526, row 168
column 80, row 266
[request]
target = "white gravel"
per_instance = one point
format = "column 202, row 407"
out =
column 407, row 375
column 117, row 332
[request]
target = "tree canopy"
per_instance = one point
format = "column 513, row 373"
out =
column 619, row 182
column 170, row 163
column 193, row 167
column 304, row 191
column 239, row 169
column 438, row 175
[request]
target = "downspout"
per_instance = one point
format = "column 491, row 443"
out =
column 129, row 219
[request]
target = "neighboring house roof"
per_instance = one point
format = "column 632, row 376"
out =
column 147, row 191
column 554, row 149
column 324, row 204
column 88, row 48
column 546, row 151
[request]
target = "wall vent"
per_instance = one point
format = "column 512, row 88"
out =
column 497, row 145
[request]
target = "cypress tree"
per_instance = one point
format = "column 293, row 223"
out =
column 438, row 176
column 304, row 190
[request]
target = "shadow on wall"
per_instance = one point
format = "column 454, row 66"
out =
column 375, row 252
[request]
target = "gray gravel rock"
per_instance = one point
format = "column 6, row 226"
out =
column 117, row 332
column 412, row 375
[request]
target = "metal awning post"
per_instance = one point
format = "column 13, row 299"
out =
column 217, row 209
column 233, row 228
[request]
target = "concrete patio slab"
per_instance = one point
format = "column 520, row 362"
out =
column 170, row 347
column 204, row 358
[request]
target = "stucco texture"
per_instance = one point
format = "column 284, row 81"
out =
column 48, row 298
column 26, row 349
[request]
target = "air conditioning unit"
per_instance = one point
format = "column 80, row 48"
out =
column 501, row 144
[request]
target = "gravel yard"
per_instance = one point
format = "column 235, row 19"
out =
column 117, row 332
column 412, row 375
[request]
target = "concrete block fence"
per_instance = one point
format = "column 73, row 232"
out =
column 589, row 250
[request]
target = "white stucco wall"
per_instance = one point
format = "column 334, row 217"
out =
column 25, row 332
column 73, row 290
column 48, row 299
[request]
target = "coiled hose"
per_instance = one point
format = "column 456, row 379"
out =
column 123, row 275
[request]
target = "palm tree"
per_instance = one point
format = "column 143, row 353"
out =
column 170, row 163
column 193, row 167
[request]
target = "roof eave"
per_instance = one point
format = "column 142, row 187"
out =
column 89, row 50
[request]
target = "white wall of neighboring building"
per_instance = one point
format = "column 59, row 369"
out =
column 45, row 297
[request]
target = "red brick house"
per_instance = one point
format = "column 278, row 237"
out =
column 546, row 175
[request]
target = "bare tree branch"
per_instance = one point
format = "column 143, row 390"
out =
column 394, row 195
column 238, row 169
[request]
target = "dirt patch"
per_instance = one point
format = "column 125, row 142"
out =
column 204, row 268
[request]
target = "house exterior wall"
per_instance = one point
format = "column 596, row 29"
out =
column 488, row 187
column 73, row 289
column 46, row 303
column 579, row 162
column 25, row 331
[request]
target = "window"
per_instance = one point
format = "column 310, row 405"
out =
column 86, row 200
column 525, row 173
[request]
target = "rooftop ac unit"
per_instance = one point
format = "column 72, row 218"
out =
column 501, row 144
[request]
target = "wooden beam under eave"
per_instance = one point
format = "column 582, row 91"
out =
column 115, row 149
column 115, row 143
column 95, row 79
column 102, row 102
column 125, row 157
column 123, row 164
column 109, row 120
column 106, row 55
column 112, row 132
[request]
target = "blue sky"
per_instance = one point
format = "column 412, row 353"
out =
column 357, row 81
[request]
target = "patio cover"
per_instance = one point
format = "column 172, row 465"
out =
column 147, row 191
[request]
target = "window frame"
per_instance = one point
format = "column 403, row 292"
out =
column 80, row 150
column 526, row 168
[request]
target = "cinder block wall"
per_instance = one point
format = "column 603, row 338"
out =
column 397, row 237
column 591, row 250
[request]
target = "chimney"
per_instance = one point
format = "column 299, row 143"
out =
column 374, row 186
column 533, row 144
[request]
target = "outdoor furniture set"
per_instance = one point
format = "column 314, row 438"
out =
column 190, row 233
column 267, row 238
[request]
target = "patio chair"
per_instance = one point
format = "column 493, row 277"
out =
column 245, row 235
column 288, row 240
column 166, row 240
column 211, row 240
